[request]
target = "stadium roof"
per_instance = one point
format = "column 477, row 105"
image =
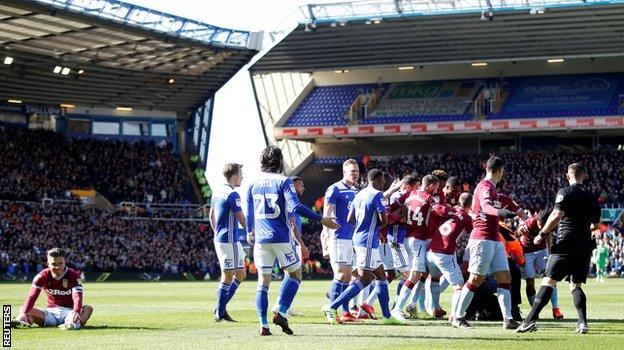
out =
column 385, row 33
column 117, row 54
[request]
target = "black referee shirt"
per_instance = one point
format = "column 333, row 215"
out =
column 581, row 209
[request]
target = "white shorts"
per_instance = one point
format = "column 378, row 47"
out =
column 367, row 258
column 385, row 253
column 231, row 255
column 535, row 263
column 265, row 255
column 418, row 259
column 445, row 265
column 341, row 251
column 55, row 316
column 400, row 258
column 486, row 257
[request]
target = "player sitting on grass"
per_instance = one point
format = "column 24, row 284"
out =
column 63, row 296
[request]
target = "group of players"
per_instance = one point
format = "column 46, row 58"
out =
column 414, row 230
column 368, row 232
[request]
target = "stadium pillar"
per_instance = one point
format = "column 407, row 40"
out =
column 253, row 87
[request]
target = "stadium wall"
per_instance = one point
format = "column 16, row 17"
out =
column 463, row 71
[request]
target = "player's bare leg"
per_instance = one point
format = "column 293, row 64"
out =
column 85, row 314
column 36, row 316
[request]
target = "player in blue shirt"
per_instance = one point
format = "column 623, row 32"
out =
column 269, row 199
column 297, row 229
column 369, row 215
column 338, row 198
column 225, row 215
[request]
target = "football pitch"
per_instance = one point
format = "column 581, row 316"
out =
column 168, row 315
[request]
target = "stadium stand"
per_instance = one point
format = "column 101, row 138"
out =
column 39, row 163
column 426, row 101
column 101, row 240
column 327, row 105
column 435, row 101
column 560, row 96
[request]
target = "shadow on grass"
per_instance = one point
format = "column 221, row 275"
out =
column 104, row 327
column 405, row 336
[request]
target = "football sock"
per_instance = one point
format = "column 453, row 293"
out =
column 222, row 292
column 334, row 290
column 288, row 294
column 531, row 299
column 281, row 289
column 504, row 300
column 443, row 285
column 351, row 292
column 455, row 302
column 400, row 285
column 384, row 298
column 465, row 299
column 435, row 294
column 405, row 293
column 233, row 287
column 262, row 304
column 554, row 298
column 372, row 297
column 580, row 303
column 542, row 298
column 420, row 292
column 345, row 305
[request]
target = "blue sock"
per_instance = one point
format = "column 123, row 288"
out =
column 345, row 305
column 222, row 292
column 554, row 298
column 335, row 288
column 400, row 285
column 233, row 287
column 290, row 289
column 384, row 297
column 281, row 290
column 351, row 292
column 262, row 304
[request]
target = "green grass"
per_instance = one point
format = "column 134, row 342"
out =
column 179, row 315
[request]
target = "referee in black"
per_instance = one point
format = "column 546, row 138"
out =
column 577, row 213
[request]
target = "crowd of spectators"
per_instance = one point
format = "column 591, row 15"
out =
column 613, row 239
column 101, row 241
column 532, row 179
column 38, row 163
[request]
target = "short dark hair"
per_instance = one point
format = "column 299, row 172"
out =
column 453, row 181
column 374, row 175
column 410, row 180
column 429, row 179
column 465, row 199
column 494, row 164
column 231, row 169
column 296, row 178
column 56, row 253
column 440, row 174
column 271, row 160
column 543, row 215
column 577, row 168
